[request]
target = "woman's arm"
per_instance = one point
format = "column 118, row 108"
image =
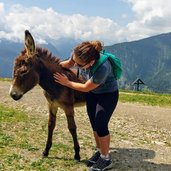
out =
column 84, row 87
column 68, row 63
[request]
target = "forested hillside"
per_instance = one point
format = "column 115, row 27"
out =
column 148, row 59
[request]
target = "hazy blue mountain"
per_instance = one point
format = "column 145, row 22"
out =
column 148, row 59
column 10, row 50
column 64, row 46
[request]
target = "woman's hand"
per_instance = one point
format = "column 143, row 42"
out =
column 84, row 87
column 61, row 78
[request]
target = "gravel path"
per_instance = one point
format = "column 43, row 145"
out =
column 140, row 135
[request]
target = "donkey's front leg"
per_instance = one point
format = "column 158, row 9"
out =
column 69, row 111
column 51, row 126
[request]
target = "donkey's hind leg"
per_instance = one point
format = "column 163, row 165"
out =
column 69, row 111
column 51, row 125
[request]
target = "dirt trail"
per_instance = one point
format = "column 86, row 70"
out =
column 140, row 135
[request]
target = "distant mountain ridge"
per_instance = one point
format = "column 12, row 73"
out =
column 148, row 59
column 10, row 50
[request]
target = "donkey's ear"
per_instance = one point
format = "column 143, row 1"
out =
column 29, row 44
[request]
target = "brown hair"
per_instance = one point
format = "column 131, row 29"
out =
column 88, row 51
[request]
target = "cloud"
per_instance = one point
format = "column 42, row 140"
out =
column 124, row 16
column 151, row 18
column 49, row 24
column 1, row 7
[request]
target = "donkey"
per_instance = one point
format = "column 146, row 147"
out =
column 36, row 65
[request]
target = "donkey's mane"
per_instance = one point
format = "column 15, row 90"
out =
column 46, row 55
column 52, row 63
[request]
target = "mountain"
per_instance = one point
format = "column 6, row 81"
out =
column 64, row 46
column 10, row 50
column 148, row 59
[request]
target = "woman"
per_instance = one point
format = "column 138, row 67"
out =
column 101, row 97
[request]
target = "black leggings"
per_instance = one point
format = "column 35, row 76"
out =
column 100, row 108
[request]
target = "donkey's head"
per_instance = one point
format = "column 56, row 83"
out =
column 25, row 75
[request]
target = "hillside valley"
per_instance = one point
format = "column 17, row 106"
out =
column 148, row 59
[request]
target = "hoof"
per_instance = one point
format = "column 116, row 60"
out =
column 44, row 154
column 77, row 158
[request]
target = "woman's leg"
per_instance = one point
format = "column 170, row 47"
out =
column 104, row 144
column 91, row 103
column 96, row 137
column 106, row 105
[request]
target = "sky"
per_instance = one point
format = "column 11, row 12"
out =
column 110, row 21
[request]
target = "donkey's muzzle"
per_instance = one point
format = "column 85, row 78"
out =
column 15, row 96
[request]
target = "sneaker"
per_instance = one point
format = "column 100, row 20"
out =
column 102, row 164
column 93, row 159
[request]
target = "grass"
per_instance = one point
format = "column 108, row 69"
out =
column 5, row 79
column 154, row 99
column 23, row 137
column 11, row 115
column 22, row 140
